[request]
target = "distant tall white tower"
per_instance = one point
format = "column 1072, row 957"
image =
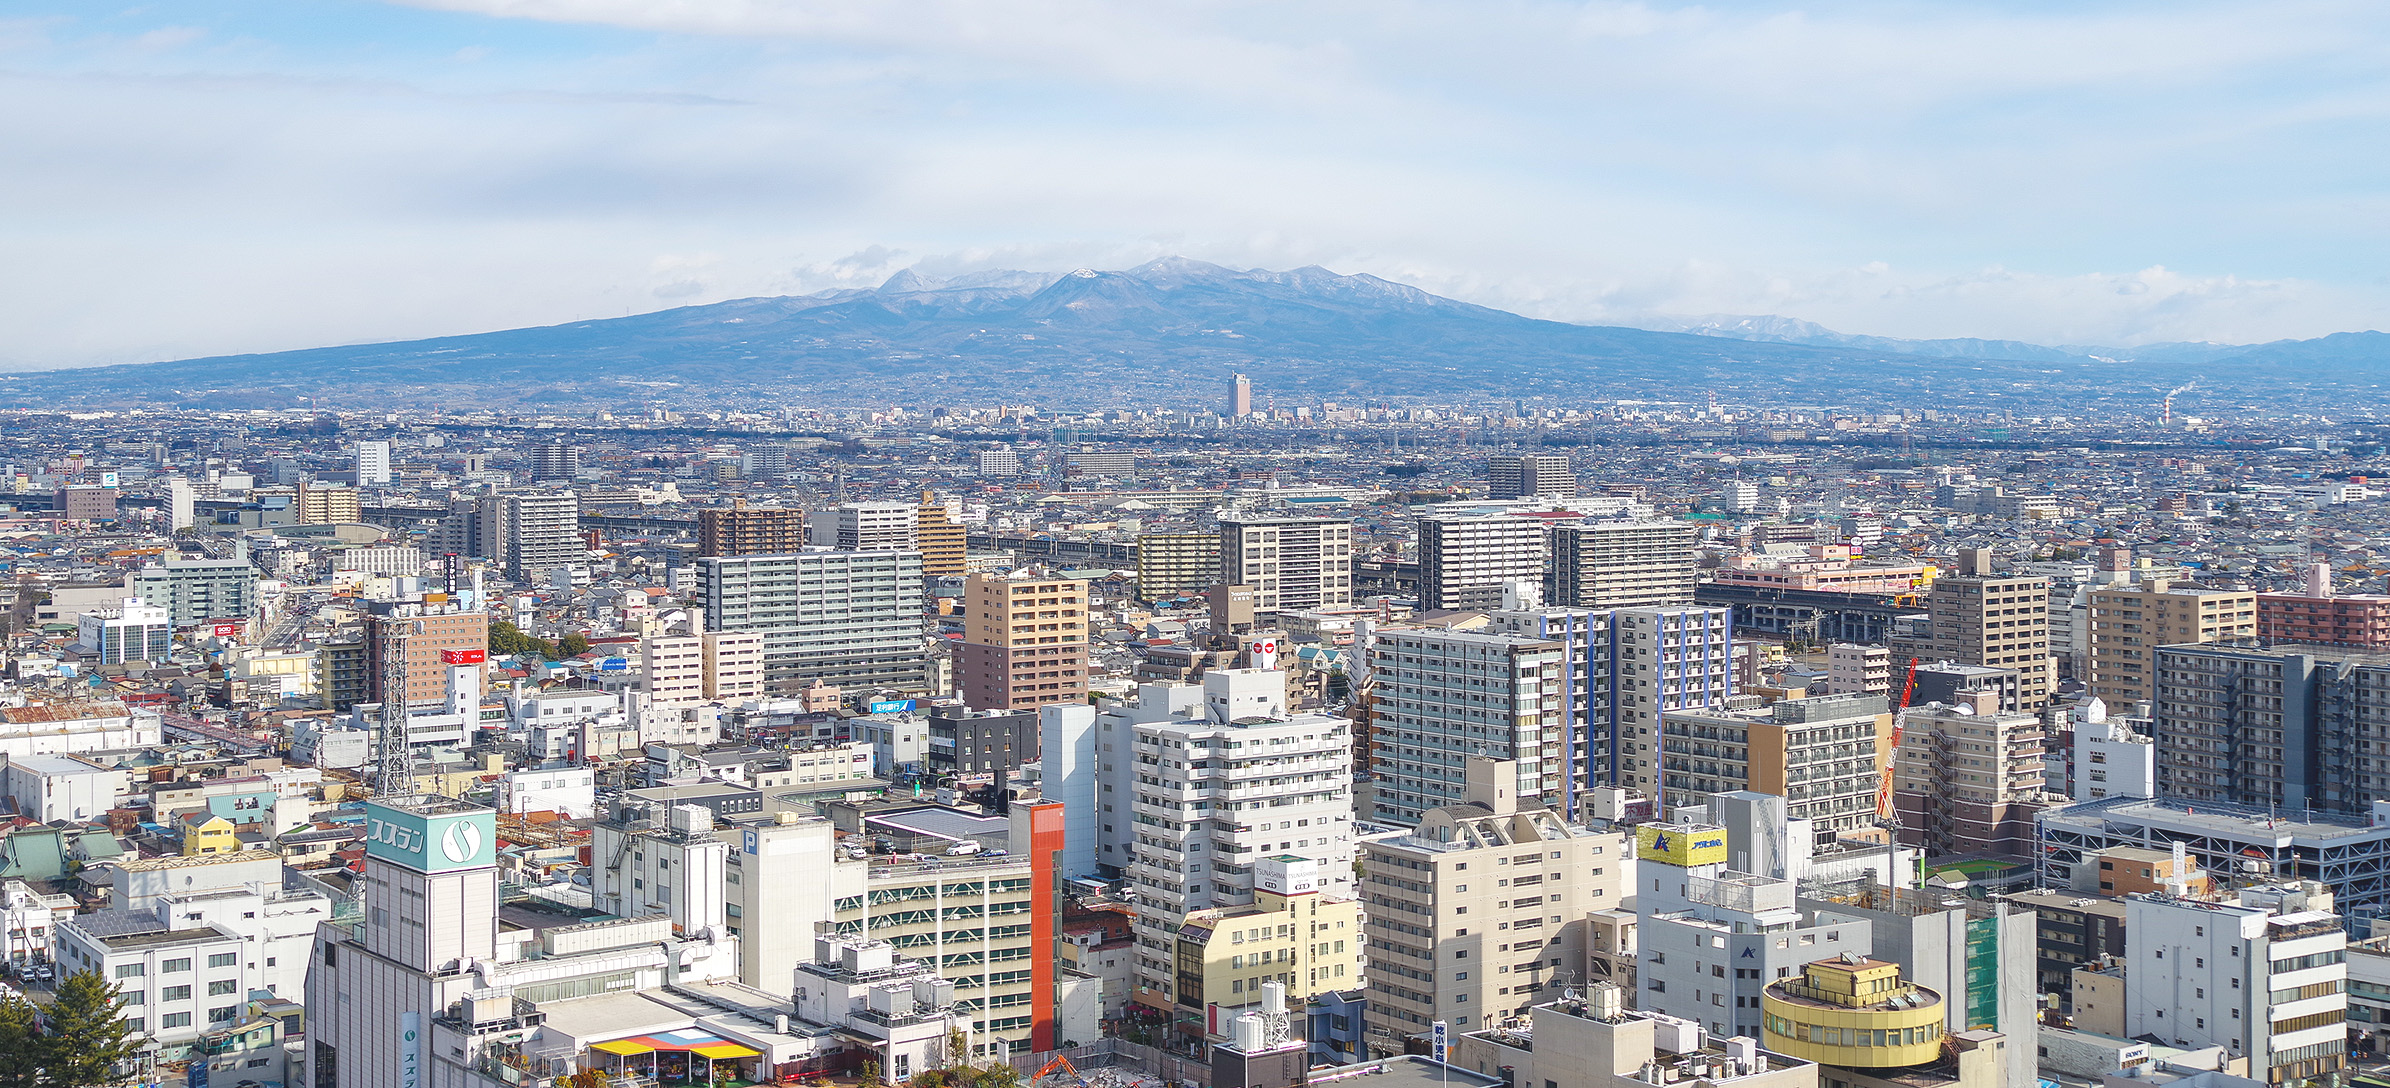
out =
column 181, row 503
column 373, row 464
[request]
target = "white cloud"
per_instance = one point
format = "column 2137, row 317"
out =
column 206, row 184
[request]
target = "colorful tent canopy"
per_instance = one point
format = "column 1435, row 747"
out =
column 723, row 1052
column 624, row 1047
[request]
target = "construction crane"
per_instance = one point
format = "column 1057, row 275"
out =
column 1883, row 790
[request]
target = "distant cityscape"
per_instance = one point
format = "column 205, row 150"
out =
column 1257, row 739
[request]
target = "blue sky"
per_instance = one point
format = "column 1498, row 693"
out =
column 204, row 177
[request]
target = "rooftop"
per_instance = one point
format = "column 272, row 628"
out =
column 2239, row 822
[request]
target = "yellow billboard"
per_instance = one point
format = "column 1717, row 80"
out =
column 1681, row 844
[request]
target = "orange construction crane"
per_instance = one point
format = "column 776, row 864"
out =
column 1883, row 789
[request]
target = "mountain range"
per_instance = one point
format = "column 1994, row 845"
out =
column 1171, row 332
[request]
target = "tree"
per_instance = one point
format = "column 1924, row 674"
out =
column 506, row 638
column 85, row 1036
column 574, row 645
column 871, row 1076
column 20, row 1058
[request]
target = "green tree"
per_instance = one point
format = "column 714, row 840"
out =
column 871, row 1076
column 20, row 1043
column 506, row 638
column 86, row 1035
column 574, row 645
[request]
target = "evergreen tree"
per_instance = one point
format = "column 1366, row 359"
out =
column 20, row 1043
column 85, row 1035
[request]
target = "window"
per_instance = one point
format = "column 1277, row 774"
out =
column 132, row 970
column 220, row 987
column 175, row 993
column 174, row 965
column 175, row 1020
column 136, row 1025
column 223, row 959
column 222, row 1014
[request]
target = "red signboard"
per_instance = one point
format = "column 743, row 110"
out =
column 464, row 657
column 228, row 630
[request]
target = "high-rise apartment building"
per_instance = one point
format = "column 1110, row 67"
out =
column 535, row 531
column 1824, row 755
column 1169, row 564
column 1479, row 911
column 555, row 462
column 2282, row 728
column 2129, row 623
column 195, row 591
column 866, row 527
column 1196, row 785
column 999, row 463
column 750, row 530
column 326, row 504
column 182, row 504
column 1982, row 618
column 1024, row 642
column 1442, row 697
column 1530, row 476
column 434, row 628
column 1620, row 670
column 944, row 546
column 848, row 619
column 1622, row 564
column 1293, row 564
column 1465, row 562
column 373, row 464
column 1968, row 779
column 1240, row 397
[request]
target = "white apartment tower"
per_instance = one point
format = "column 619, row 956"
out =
column 1293, row 564
column 1196, row 784
column 1465, row 562
column 866, row 527
column 373, row 464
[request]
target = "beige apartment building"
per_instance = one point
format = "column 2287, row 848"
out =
column 1294, row 933
column 1024, row 642
column 1169, row 564
column 1968, row 779
column 1981, row 618
column 1480, row 912
column 941, row 539
column 2129, row 623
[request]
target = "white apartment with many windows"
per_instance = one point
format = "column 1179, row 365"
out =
column 1195, row 785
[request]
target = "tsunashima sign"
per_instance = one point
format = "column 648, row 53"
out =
column 434, row 843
